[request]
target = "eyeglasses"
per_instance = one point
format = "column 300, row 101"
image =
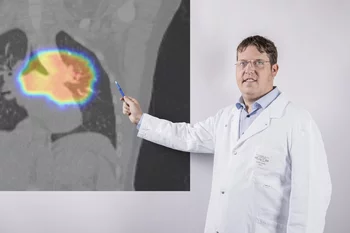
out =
column 258, row 63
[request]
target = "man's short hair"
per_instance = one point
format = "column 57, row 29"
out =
column 262, row 44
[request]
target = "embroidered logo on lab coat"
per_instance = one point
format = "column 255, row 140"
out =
column 261, row 160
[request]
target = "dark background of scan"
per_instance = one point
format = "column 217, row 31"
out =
column 160, row 168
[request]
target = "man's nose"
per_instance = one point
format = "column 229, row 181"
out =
column 250, row 70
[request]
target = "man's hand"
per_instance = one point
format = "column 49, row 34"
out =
column 131, row 107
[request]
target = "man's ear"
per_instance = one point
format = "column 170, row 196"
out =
column 275, row 68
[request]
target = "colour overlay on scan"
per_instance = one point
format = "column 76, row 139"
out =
column 62, row 85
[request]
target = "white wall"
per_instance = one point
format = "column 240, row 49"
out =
column 313, row 42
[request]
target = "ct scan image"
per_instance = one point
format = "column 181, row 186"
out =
column 61, row 121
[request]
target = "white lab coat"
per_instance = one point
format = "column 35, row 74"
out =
column 274, row 179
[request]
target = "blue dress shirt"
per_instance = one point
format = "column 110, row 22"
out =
column 258, row 106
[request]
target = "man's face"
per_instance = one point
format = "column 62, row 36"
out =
column 254, row 75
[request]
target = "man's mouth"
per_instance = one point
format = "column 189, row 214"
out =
column 249, row 80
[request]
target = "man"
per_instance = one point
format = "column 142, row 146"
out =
column 270, row 166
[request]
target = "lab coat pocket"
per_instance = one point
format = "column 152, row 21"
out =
column 269, row 162
column 268, row 172
column 264, row 226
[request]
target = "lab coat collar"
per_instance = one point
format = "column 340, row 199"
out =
column 277, row 107
column 263, row 120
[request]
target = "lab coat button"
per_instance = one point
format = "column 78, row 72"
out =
column 235, row 152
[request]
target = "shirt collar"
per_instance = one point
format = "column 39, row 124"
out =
column 263, row 102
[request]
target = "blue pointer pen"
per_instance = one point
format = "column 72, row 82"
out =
column 120, row 89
